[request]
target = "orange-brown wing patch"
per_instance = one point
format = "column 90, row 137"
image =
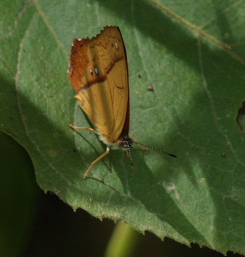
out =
column 99, row 75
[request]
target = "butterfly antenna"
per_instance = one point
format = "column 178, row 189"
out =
column 157, row 150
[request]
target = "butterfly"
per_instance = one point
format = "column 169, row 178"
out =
column 98, row 72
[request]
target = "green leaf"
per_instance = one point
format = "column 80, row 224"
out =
column 192, row 54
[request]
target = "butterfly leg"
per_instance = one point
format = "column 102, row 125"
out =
column 94, row 162
column 91, row 129
column 99, row 158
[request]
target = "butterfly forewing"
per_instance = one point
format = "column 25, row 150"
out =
column 99, row 75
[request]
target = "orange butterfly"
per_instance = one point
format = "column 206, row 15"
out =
column 98, row 73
